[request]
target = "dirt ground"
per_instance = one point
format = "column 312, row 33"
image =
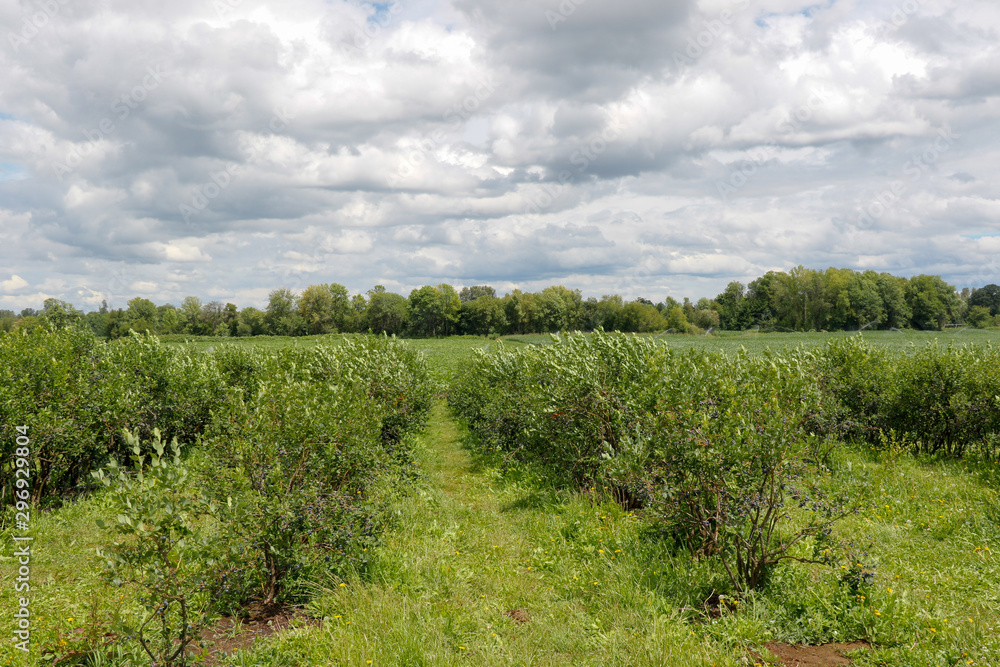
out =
column 229, row 635
column 826, row 655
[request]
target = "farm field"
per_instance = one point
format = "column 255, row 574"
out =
column 491, row 556
column 733, row 340
column 458, row 346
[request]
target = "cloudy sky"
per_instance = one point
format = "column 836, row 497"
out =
column 223, row 148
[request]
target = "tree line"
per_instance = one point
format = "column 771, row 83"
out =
column 845, row 300
column 798, row 300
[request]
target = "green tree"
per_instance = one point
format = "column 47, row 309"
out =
column 282, row 316
column 706, row 318
column 688, row 309
column 892, row 290
column 60, row 314
column 388, row 312
column 798, row 299
column 425, row 316
column 474, row 292
column 316, row 308
column 230, row 317
column 987, row 297
column 250, row 322
column 979, row 317
column 602, row 314
column 559, row 309
column 733, row 307
column 344, row 318
column 676, row 321
column 932, row 301
column 97, row 321
column 191, row 315
column 483, row 315
column 359, row 313
column 867, row 306
column 638, row 317
column 760, row 296
column 434, row 310
column 117, row 324
column 521, row 309
column 142, row 316
column 837, row 297
column 170, row 319
column 588, row 314
column 213, row 317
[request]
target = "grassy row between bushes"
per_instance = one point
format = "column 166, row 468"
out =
column 281, row 476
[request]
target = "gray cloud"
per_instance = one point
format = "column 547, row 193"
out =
column 166, row 149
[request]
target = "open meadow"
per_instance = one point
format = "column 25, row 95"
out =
column 596, row 500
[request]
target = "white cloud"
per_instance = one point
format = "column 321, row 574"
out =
column 474, row 141
column 15, row 283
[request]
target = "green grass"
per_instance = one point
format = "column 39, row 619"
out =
column 70, row 607
column 446, row 355
column 931, row 530
column 477, row 537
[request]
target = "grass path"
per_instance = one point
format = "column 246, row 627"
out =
column 487, row 570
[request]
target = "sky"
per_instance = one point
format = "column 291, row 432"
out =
column 225, row 148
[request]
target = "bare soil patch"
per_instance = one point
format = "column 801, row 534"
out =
column 230, row 634
column 519, row 615
column 825, row 655
column 223, row 638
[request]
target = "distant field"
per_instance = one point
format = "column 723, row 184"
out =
column 733, row 340
column 892, row 339
column 445, row 355
column 206, row 343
